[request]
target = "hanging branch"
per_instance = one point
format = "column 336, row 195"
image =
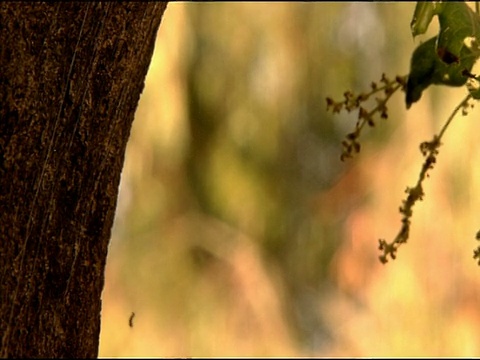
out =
column 429, row 150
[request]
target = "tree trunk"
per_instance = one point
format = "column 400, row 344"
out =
column 71, row 74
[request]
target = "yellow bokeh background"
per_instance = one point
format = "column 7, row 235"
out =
column 239, row 232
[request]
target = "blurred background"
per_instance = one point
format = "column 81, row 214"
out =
column 239, row 232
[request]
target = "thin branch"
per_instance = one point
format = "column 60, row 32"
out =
column 429, row 149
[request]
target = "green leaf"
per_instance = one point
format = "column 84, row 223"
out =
column 426, row 68
column 423, row 15
column 423, row 68
column 459, row 32
column 448, row 58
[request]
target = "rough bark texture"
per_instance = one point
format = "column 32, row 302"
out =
column 71, row 74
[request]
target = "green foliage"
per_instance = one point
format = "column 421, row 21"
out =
column 427, row 68
column 445, row 59
column 459, row 32
column 423, row 15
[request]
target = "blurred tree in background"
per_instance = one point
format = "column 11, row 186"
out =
column 240, row 233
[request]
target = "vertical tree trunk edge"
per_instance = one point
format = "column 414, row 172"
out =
column 70, row 80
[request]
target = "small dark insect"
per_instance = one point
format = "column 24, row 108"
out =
column 130, row 320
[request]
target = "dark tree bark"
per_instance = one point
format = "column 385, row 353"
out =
column 71, row 74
